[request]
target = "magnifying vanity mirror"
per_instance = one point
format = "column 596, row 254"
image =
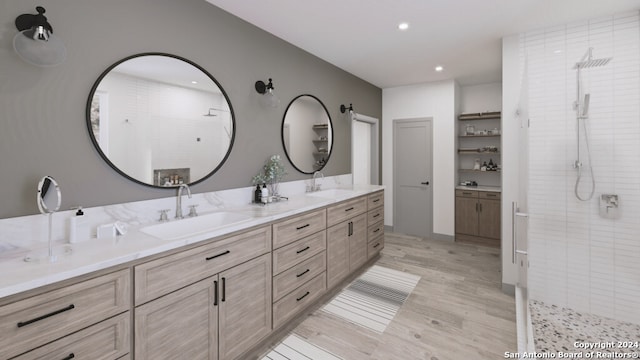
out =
column 160, row 120
column 307, row 134
column 48, row 198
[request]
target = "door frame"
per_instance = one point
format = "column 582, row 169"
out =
column 428, row 119
column 375, row 144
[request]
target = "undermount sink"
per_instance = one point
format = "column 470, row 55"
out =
column 330, row 193
column 178, row 229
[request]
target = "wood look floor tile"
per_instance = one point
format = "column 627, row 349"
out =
column 456, row 311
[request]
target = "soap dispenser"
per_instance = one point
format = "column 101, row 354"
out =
column 257, row 195
column 78, row 227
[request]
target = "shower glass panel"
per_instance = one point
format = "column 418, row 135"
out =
column 583, row 256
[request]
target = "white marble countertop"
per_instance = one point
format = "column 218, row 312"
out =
column 480, row 188
column 93, row 255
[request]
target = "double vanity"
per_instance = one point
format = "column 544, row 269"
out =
column 208, row 287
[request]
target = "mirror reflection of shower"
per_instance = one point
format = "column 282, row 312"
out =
column 209, row 114
column 581, row 106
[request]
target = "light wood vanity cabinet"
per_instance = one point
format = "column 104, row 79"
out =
column 478, row 217
column 346, row 238
column 38, row 320
column 220, row 316
column 375, row 223
column 299, row 270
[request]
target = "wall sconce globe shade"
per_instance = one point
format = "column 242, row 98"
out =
column 44, row 53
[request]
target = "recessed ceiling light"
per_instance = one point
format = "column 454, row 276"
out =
column 439, row 68
column 194, row 82
column 403, row 26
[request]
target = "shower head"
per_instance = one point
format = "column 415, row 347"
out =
column 588, row 61
column 210, row 114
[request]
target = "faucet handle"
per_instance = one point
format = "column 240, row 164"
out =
column 192, row 211
column 163, row 215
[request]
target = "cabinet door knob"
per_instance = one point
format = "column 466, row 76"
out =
column 425, row 183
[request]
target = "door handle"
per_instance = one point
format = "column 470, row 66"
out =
column 515, row 214
column 425, row 183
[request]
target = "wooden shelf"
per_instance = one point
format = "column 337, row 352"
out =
column 321, row 127
column 480, row 116
column 477, row 136
column 320, row 141
column 477, row 171
column 477, row 153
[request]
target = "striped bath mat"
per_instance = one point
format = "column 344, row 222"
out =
column 297, row 348
column 373, row 299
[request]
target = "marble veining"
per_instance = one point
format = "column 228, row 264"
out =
column 19, row 236
column 557, row 329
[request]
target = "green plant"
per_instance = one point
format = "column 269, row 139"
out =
column 272, row 172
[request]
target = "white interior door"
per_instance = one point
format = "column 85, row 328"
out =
column 412, row 176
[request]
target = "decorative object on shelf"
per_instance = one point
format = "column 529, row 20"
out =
column 271, row 174
column 469, row 183
column 267, row 90
column 476, row 165
column 470, row 130
column 35, row 42
column 343, row 108
column 484, row 166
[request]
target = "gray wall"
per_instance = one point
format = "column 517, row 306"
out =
column 42, row 110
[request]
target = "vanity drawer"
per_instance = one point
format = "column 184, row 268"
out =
column 489, row 195
column 298, row 275
column 285, row 308
column 375, row 246
column 288, row 231
column 159, row 277
column 467, row 193
column 107, row 340
column 375, row 200
column 288, row 256
column 37, row 320
column 345, row 210
column 375, row 215
column 375, row 230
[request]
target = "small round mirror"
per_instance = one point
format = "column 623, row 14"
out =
column 49, row 196
column 307, row 134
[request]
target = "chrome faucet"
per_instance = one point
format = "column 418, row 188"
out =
column 179, row 200
column 314, row 186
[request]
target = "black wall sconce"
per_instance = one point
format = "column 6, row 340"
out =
column 267, row 90
column 35, row 42
column 343, row 108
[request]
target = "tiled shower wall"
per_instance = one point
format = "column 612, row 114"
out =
column 578, row 258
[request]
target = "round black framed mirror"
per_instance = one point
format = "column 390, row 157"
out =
column 160, row 120
column 307, row 134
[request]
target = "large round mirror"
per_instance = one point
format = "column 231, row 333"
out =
column 160, row 120
column 307, row 135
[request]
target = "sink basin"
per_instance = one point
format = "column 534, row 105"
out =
column 331, row 193
column 193, row 226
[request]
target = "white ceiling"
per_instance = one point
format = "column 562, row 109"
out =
column 463, row 36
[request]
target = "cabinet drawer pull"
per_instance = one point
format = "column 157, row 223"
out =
column 70, row 356
column 476, row 207
column 376, row 230
column 350, row 231
column 376, row 215
column 349, row 209
column 376, row 200
column 376, row 245
column 215, row 293
column 224, row 289
column 303, row 296
column 466, row 193
column 491, row 195
column 302, row 273
column 480, row 207
column 303, row 250
column 215, row 256
column 302, row 227
column 28, row 322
